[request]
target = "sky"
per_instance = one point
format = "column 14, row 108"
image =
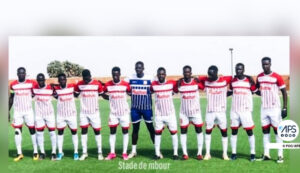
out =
column 101, row 53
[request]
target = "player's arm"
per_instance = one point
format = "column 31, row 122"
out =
column 284, row 97
column 103, row 90
column 257, row 85
column 10, row 103
column 104, row 96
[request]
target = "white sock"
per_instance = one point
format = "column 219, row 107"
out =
column 60, row 142
column 183, row 143
column 175, row 144
column 133, row 148
column 112, row 141
column 252, row 144
column 53, row 141
column 207, row 143
column 157, row 144
column 225, row 145
column 84, row 139
column 99, row 142
column 75, row 143
column 233, row 140
column 34, row 143
column 40, row 140
column 18, row 140
column 280, row 151
column 266, row 141
column 200, row 143
column 125, row 143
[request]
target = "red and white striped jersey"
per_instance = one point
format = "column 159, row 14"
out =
column 216, row 93
column 65, row 101
column 242, row 100
column 89, row 96
column 163, row 92
column 269, row 88
column 43, row 100
column 22, row 95
column 118, row 97
column 189, row 93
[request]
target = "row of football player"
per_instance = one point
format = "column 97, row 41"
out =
column 241, row 87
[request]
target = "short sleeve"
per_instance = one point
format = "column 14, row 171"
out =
column 100, row 88
column 128, row 89
column 280, row 82
column 76, row 87
column 175, row 86
column 105, row 87
column 201, row 85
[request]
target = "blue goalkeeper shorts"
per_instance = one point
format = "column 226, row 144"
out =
column 136, row 115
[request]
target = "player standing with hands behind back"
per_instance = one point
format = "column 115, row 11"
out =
column 269, row 83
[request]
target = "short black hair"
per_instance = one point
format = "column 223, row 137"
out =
column 61, row 75
column 213, row 67
column 21, row 68
column 266, row 58
column 40, row 74
column 139, row 62
column 161, row 68
column 86, row 72
column 187, row 66
column 116, row 69
column 240, row 64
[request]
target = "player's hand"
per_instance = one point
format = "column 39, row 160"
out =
column 197, row 79
column 284, row 113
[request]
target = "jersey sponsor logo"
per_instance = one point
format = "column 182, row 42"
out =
column 117, row 96
column 139, row 92
column 215, row 92
column 240, row 92
column 163, row 96
column 188, row 97
column 266, row 88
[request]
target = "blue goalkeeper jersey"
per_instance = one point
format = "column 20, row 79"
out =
column 140, row 92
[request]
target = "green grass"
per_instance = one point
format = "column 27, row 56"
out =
column 146, row 150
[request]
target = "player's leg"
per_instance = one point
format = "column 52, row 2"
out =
column 84, row 125
column 172, row 125
column 184, row 123
column 266, row 124
column 209, row 120
column 50, row 122
column 159, row 127
column 275, row 120
column 248, row 125
column 135, row 119
column 125, row 124
column 29, row 120
column 40, row 126
column 113, row 124
column 61, row 124
column 17, row 124
column 72, row 123
column 222, row 122
column 235, row 124
column 147, row 115
column 95, row 121
column 197, row 121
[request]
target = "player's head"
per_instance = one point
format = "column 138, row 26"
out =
column 213, row 72
column 116, row 73
column 187, row 72
column 40, row 78
column 139, row 68
column 239, row 69
column 21, row 73
column 161, row 74
column 266, row 64
column 62, row 79
column 86, row 75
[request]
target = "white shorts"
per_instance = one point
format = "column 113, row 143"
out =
column 90, row 119
column 169, row 120
column 71, row 121
column 123, row 120
column 218, row 118
column 42, row 121
column 270, row 117
column 185, row 120
column 19, row 119
column 241, row 118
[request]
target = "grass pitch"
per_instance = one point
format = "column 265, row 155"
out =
column 144, row 161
